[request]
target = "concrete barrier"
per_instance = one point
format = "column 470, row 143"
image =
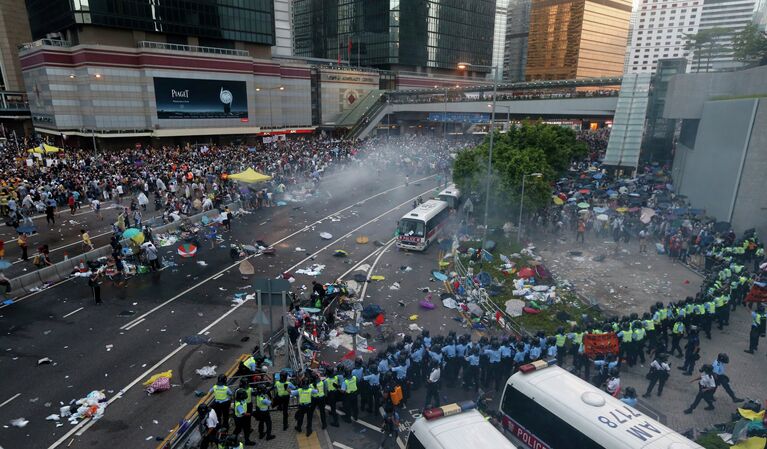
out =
column 61, row 270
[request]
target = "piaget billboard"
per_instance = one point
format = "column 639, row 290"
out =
column 179, row 98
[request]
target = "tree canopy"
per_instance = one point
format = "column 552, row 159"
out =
column 528, row 149
column 750, row 46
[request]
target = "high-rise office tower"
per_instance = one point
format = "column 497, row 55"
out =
column 517, row 29
column 660, row 30
column 726, row 18
column 577, row 38
column 420, row 35
column 499, row 36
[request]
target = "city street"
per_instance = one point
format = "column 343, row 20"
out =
column 140, row 328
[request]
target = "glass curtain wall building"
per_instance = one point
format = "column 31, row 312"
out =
column 220, row 20
column 577, row 38
column 517, row 29
column 396, row 34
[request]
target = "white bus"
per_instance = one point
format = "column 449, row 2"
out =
column 546, row 407
column 422, row 225
column 455, row 426
column 451, row 195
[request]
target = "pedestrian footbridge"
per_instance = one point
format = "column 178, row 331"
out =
column 583, row 99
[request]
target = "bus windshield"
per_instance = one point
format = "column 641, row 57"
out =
column 411, row 228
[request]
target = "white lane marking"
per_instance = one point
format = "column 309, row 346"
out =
column 73, row 312
column 372, row 267
column 59, row 248
column 400, row 443
column 85, row 427
column 10, row 399
column 77, row 429
column 341, row 445
column 208, row 279
column 133, row 324
column 353, row 231
column 218, row 275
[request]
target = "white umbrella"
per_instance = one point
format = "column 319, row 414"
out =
column 602, row 217
column 326, row 235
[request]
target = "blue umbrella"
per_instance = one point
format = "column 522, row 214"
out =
column 26, row 229
column 598, row 176
column 4, row 264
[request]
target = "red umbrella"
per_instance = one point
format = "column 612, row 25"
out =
column 526, row 272
column 187, row 250
column 585, row 191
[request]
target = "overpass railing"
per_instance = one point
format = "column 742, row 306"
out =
column 14, row 101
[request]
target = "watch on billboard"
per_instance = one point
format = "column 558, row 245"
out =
column 180, row 98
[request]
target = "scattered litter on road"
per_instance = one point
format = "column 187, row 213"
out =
column 326, row 235
column 195, row 340
column 405, row 268
column 207, row 371
column 414, row 327
column 53, row 417
column 19, row 422
column 314, row 270
column 44, row 361
column 450, row 303
column 394, row 286
column 202, row 263
column 159, row 382
column 109, row 347
column 364, row 267
column 299, row 249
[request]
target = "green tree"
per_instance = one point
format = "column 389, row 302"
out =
column 531, row 148
column 750, row 46
column 705, row 43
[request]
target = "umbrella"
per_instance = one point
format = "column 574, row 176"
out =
column 250, row 249
column 439, row 276
column 187, row 250
column 721, row 226
column 326, row 235
column 26, row 229
column 584, row 205
column 130, row 233
column 558, row 201
column 602, row 217
column 597, row 176
column 340, row 253
column 622, row 209
column 600, row 210
column 624, row 190
column 583, row 211
column 635, row 209
column 584, row 191
column 526, row 272
column 362, row 240
column 4, row 264
column 246, row 268
column 647, row 215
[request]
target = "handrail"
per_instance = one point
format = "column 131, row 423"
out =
column 45, row 43
column 192, row 48
column 181, row 431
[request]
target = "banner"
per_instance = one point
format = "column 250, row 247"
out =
column 179, row 98
column 600, row 344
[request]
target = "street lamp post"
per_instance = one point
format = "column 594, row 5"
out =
column 522, row 203
column 269, row 90
column 464, row 66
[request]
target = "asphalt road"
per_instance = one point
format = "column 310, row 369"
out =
column 139, row 329
column 63, row 237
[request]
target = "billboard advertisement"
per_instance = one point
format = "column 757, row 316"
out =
column 180, row 98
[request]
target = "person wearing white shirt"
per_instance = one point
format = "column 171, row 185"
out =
column 208, row 425
column 432, row 386
column 659, row 373
column 706, row 388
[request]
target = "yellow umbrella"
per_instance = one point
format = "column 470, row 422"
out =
column 250, row 176
column 622, row 209
column 45, row 148
column 558, row 201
